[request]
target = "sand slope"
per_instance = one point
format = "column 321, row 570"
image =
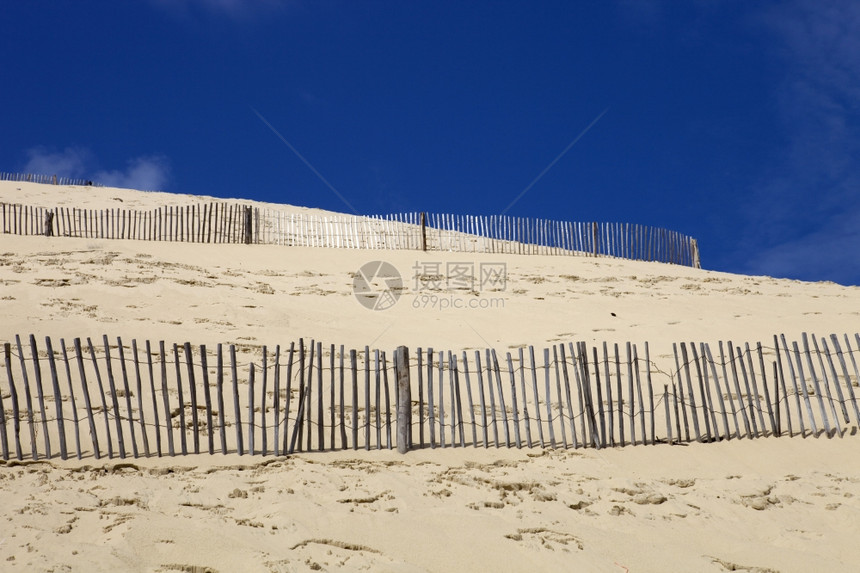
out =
column 769, row 505
column 787, row 504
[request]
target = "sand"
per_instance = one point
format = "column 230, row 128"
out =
column 773, row 504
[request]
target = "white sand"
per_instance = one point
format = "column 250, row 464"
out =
column 786, row 504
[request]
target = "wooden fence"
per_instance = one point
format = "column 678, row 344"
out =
column 46, row 179
column 479, row 234
column 219, row 222
column 153, row 399
column 214, row 222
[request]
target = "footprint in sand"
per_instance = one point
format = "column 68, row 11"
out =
column 729, row 566
column 540, row 537
column 305, row 555
column 758, row 497
column 370, row 502
column 185, row 568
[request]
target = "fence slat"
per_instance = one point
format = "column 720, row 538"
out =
column 343, row 440
column 567, row 395
column 127, row 398
column 13, row 392
column 28, row 395
column 298, row 424
column 236, row 407
column 514, row 402
column 441, row 402
column 276, row 402
column 387, row 405
column 251, row 428
column 168, row 415
column 140, row 410
column 705, row 393
column 766, row 390
column 525, row 397
column 207, row 399
column 155, row 416
column 102, row 397
column 287, row 396
column 830, row 399
column 353, row 361
column 794, row 383
column 639, row 397
column 192, row 392
column 4, row 438
column 71, row 397
column 219, row 391
column 815, row 383
column 39, row 394
column 738, row 393
column 845, row 374
column 320, row 409
column 709, row 361
column 331, row 396
column 547, row 400
column 798, row 360
column 114, row 398
column 501, row 399
column 833, row 373
column 650, row 390
column 482, row 397
column 755, row 400
column 180, row 396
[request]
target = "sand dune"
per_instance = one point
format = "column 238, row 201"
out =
column 774, row 504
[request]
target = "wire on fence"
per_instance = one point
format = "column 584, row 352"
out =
column 221, row 222
column 136, row 402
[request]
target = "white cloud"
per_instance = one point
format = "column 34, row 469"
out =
column 70, row 162
column 143, row 173
column 148, row 173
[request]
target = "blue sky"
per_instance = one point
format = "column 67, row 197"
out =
column 735, row 122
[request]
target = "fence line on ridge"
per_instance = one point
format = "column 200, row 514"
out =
column 221, row 222
column 214, row 222
column 47, row 179
column 110, row 398
column 483, row 234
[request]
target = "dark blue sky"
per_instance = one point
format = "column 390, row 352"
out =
column 736, row 122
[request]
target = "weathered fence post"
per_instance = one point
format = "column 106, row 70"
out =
column 249, row 230
column 404, row 399
column 49, row 223
column 697, row 261
column 423, row 231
